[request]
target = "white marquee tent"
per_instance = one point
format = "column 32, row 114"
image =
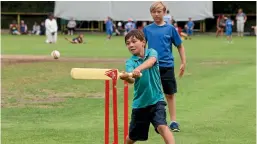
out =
column 137, row 10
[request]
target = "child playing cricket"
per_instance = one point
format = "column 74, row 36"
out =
column 160, row 36
column 148, row 102
column 77, row 40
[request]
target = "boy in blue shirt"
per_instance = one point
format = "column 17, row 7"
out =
column 190, row 27
column 148, row 102
column 160, row 36
column 109, row 27
column 229, row 25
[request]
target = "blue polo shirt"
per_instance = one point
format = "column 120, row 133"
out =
column 147, row 89
column 161, row 39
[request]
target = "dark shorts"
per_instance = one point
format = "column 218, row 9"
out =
column 189, row 32
column 109, row 32
column 142, row 117
column 71, row 29
column 168, row 80
column 228, row 32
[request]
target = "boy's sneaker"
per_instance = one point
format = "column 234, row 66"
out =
column 174, row 126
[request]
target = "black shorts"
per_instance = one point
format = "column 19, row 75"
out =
column 71, row 29
column 168, row 80
column 142, row 117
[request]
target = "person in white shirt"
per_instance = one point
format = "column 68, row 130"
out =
column 241, row 19
column 51, row 29
column 71, row 26
column 129, row 26
column 36, row 29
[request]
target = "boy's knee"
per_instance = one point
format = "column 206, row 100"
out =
column 162, row 129
column 129, row 141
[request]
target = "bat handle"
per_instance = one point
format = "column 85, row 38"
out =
column 130, row 74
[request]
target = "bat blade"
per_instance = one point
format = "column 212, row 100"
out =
column 89, row 73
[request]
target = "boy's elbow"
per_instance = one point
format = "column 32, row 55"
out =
column 180, row 46
column 153, row 61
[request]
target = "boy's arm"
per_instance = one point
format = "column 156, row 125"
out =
column 193, row 26
column 181, row 51
column 178, row 43
column 129, row 68
column 153, row 56
column 137, row 71
column 124, row 76
column 147, row 64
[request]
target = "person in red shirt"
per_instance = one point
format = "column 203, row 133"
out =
column 220, row 25
column 180, row 32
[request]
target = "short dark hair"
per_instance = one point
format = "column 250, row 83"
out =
column 138, row 34
column 50, row 14
column 168, row 11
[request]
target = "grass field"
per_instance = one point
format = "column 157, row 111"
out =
column 41, row 104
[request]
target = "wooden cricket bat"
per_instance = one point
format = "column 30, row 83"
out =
column 94, row 73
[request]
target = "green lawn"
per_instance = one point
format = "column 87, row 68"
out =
column 41, row 104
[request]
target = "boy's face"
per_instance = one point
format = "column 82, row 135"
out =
column 81, row 35
column 134, row 45
column 158, row 14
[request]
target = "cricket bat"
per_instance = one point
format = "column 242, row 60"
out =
column 95, row 73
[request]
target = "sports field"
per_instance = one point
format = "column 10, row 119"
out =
column 41, row 104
